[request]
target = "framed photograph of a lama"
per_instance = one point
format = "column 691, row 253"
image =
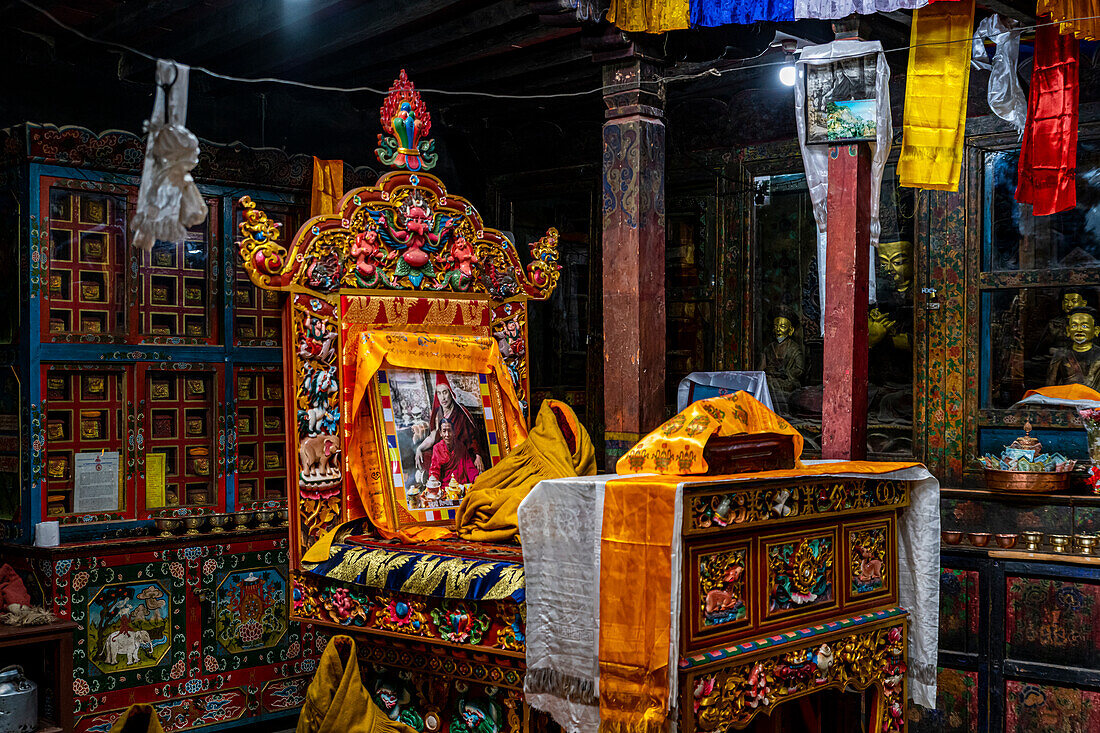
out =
column 840, row 100
column 440, row 435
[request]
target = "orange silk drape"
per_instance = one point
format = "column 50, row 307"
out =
column 328, row 187
column 367, row 464
column 636, row 551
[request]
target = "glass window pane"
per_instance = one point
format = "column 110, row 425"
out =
column 1017, row 240
column 1038, row 336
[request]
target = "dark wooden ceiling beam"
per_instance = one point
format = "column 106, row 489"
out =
column 523, row 37
column 145, row 19
column 480, row 23
column 1018, row 11
column 530, row 64
column 353, row 30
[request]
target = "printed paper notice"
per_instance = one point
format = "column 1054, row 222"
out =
column 154, row 479
column 95, row 485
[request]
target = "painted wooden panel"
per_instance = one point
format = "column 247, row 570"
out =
column 959, row 610
column 1052, row 622
column 1034, row 708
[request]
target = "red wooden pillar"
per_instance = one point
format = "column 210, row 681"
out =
column 633, row 256
column 844, row 402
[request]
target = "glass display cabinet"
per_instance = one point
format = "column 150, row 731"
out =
column 141, row 407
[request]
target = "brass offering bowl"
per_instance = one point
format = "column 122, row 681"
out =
column 193, row 523
column 167, row 526
column 978, row 539
column 264, row 517
column 1026, row 482
column 1005, row 541
column 1086, row 543
column 1060, row 543
column 284, row 517
column 951, row 537
column 218, row 522
column 1032, row 540
column 241, row 520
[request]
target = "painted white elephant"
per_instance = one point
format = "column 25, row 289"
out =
column 128, row 643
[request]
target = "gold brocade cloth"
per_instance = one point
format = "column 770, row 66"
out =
column 328, row 186
column 469, row 354
column 934, row 121
column 1078, row 17
column 636, row 551
column 650, row 16
column 337, row 702
column 558, row 446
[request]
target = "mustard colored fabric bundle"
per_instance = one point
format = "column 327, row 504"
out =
column 558, row 446
column 140, row 718
column 935, row 96
column 1078, row 17
column 337, row 702
column 677, row 446
column 650, row 16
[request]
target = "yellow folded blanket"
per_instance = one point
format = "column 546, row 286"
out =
column 1065, row 392
column 558, row 446
column 337, row 702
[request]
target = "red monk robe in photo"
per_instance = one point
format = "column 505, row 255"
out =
column 451, row 459
column 445, row 406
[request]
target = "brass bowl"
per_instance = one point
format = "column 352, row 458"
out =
column 264, row 518
column 1026, row 482
column 978, row 539
column 1060, row 543
column 1005, row 541
column 284, row 517
column 951, row 537
column 1086, row 543
column 241, row 520
column 217, row 522
column 167, row 526
column 193, row 522
column 1032, row 540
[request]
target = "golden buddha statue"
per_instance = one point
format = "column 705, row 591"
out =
column 1080, row 362
column 896, row 259
column 783, row 360
column 1055, row 335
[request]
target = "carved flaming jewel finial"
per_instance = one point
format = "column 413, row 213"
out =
column 407, row 123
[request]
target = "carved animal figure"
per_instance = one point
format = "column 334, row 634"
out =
column 129, row 643
column 722, row 599
column 318, row 456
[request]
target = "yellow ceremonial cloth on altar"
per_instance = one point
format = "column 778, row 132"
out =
column 337, row 702
column 1078, row 17
column 636, row 551
column 650, row 16
column 1065, row 392
column 328, row 186
column 472, row 354
column 934, row 121
column 558, row 446
column 139, row 718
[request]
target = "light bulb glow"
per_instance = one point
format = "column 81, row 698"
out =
column 787, row 75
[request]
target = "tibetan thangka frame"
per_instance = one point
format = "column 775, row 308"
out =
column 375, row 289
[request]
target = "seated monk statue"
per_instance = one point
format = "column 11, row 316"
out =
column 1054, row 337
column 1080, row 362
column 783, row 360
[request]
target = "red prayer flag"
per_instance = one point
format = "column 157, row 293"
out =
column 1048, row 156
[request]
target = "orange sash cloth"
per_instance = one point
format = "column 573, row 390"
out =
column 470, row 354
column 1065, row 392
column 636, row 551
column 328, row 187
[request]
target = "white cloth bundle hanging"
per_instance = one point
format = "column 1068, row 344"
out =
column 833, row 9
column 168, row 200
column 1005, row 96
column 815, row 158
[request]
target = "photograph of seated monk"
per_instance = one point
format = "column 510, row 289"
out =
column 441, row 434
